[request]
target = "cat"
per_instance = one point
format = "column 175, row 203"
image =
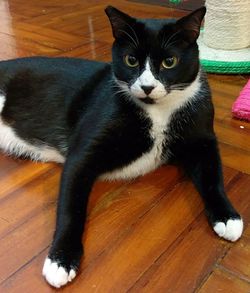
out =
column 150, row 106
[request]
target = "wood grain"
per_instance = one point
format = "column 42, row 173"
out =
column 237, row 259
column 147, row 235
column 224, row 282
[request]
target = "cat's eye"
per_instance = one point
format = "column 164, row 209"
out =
column 131, row 61
column 170, row 62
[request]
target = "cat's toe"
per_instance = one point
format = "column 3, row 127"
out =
column 231, row 230
column 56, row 275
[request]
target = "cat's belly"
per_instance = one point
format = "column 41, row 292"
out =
column 12, row 144
column 147, row 162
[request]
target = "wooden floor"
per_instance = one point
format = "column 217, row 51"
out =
column 149, row 235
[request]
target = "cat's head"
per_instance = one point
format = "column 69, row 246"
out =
column 154, row 57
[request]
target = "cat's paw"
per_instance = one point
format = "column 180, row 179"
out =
column 57, row 275
column 231, row 230
column 62, row 262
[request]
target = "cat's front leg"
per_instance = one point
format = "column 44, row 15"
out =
column 201, row 161
column 64, row 257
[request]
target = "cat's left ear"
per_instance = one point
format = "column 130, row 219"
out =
column 191, row 24
column 121, row 22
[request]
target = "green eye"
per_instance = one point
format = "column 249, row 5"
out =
column 170, row 62
column 131, row 61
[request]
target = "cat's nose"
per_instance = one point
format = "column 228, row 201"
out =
column 147, row 89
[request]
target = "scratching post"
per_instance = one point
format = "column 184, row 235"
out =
column 225, row 41
column 227, row 24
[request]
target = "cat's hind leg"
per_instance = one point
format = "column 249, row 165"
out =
column 12, row 144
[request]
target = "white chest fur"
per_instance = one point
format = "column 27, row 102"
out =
column 160, row 115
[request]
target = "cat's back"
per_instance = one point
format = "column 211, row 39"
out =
column 52, row 83
column 73, row 70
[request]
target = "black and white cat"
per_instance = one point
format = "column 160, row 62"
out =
column 151, row 106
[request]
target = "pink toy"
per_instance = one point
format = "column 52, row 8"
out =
column 241, row 107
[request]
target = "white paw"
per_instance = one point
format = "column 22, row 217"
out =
column 56, row 275
column 231, row 231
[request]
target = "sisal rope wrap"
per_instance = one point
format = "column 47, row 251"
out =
column 227, row 24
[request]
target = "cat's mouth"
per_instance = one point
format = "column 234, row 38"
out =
column 147, row 100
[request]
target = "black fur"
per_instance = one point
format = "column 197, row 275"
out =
column 73, row 105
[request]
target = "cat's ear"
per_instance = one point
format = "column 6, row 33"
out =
column 190, row 24
column 120, row 21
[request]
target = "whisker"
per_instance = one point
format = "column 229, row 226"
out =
column 180, row 85
column 122, row 81
column 123, row 93
column 177, row 88
column 131, row 38
column 164, row 40
column 134, row 33
column 170, row 38
column 120, row 92
column 170, row 44
column 117, row 82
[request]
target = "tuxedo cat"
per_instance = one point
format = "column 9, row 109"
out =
column 151, row 106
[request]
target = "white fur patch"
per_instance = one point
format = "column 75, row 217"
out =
column 56, row 275
column 14, row 145
column 2, row 101
column 231, row 231
column 147, row 79
column 160, row 115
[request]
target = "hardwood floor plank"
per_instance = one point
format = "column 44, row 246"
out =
column 247, row 230
column 29, row 278
column 13, row 47
column 45, row 36
column 8, row 163
column 184, row 267
column 93, row 50
column 20, row 246
column 224, row 283
column 237, row 259
column 235, row 157
column 230, row 136
column 27, row 201
column 15, row 178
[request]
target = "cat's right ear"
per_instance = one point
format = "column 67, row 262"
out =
column 191, row 23
column 120, row 22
